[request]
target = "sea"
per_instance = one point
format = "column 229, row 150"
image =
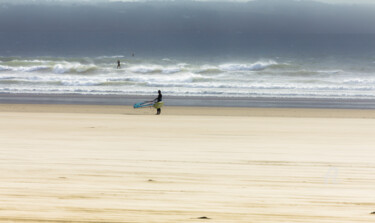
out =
column 335, row 66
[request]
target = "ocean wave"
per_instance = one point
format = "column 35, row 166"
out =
column 86, row 65
column 247, row 67
column 23, row 69
column 356, row 81
column 110, row 57
column 80, row 82
column 73, row 68
column 32, row 68
column 170, row 70
column 180, row 78
column 5, row 68
column 209, row 69
column 93, row 75
column 146, row 69
column 330, row 71
column 57, row 68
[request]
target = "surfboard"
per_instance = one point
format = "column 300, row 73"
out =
column 158, row 104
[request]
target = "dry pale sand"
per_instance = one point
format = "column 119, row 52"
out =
column 64, row 163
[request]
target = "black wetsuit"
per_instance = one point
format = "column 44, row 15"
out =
column 159, row 99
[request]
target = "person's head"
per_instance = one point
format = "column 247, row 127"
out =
column 159, row 91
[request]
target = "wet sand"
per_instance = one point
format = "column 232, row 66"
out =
column 75, row 163
column 190, row 101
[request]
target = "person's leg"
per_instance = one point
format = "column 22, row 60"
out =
column 158, row 111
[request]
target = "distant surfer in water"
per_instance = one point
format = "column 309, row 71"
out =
column 118, row 64
column 158, row 99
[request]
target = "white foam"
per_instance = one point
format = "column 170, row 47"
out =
column 247, row 67
column 33, row 68
column 361, row 81
column 32, row 61
column 110, row 57
column 23, row 69
column 66, row 67
column 144, row 69
column 82, row 75
column 330, row 71
column 80, row 82
column 182, row 65
column 158, row 79
column 171, row 70
column 209, row 69
column 59, row 69
column 5, row 68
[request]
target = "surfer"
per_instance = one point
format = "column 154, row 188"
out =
column 158, row 99
column 118, row 64
column 156, row 103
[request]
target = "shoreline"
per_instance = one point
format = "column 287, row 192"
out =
column 190, row 111
column 189, row 101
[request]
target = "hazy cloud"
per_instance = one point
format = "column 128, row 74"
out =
column 106, row 1
column 191, row 17
column 188, row 27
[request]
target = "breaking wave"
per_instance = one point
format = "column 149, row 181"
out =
column 137, row 76
column 73, row 68
column 247, row 67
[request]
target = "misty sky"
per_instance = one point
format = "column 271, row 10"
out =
column 261, row 16
column 228, row 26
column 77, row 1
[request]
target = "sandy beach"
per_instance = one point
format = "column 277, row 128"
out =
column 80, row 163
